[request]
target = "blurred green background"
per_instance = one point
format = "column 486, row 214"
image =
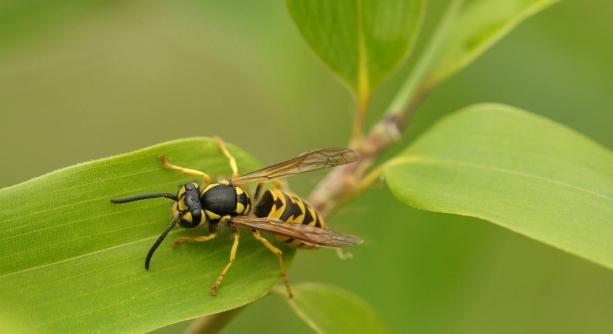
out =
column 82, row 80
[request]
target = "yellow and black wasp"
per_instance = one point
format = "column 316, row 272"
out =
column 281, row 213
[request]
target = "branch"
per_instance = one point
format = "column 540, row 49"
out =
column 345, row 182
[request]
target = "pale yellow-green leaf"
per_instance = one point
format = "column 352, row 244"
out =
column 478, row 26
column 517, row 170
column 331, row 310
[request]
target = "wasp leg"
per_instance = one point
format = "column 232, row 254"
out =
column 221, row 275
column 279, row 254
column 202, row 238
column 343, row 255
column 231, row 159
column 186, row 171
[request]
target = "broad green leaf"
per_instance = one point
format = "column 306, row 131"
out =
column 517, row 170
column 70, row 261
column 361, row 40
column 476, row 28
column 329, row 309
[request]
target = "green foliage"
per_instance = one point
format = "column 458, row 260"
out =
column 362, row 41
column 517, row 170
column 329, row 309
column 73, row 262
column 407, row 92
column 476, row 28
column 462, row 34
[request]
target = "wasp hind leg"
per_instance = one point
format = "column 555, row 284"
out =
column 343, row 255
column 279, row 254
column 222, row 274
column 183, row 170
column 231, row 158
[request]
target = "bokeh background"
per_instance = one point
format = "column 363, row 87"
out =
column 86, row 79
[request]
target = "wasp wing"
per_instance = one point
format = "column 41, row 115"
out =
column 306, row 162
column 311, row 235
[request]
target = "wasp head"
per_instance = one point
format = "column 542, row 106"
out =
column 188, row 206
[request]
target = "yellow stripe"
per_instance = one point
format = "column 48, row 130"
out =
column 181, row 204
column 276, row 213
column 181, row 192
column 212, row 215
column 240, row 207
column 209, row 187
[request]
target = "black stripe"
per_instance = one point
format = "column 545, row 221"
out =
column 290, row 208
column 317, row 221
column 307, row 216
column 298, row 210
column 264, row 205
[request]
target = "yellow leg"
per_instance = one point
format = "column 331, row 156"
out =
column 279, row 254
column 225, row 270
column 186, row 171
column 228, row 155
column 343, row 255
column 202, row 238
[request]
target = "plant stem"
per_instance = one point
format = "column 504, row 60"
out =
column 346, row 181
column 358, row 121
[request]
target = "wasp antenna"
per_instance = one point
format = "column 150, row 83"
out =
column 159, row 240
column 144, row 196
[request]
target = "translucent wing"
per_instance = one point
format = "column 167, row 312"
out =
column 312, row 235
column 310, row 161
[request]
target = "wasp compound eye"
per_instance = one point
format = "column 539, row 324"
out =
column 189, row 220
column 197, row 216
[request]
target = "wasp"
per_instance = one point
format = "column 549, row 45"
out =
column 227, row 202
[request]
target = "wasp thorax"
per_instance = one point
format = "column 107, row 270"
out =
column 188, row 206
column 224, row 200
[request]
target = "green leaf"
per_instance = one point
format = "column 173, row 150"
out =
column 73, row 262
column 361, row 40
column 329, row 309
column 476, row 28
column 409, row 89
column 517, row 170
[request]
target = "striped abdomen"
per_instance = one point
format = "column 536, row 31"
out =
column 289, row 208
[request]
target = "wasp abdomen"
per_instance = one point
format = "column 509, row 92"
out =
column 289, row 208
